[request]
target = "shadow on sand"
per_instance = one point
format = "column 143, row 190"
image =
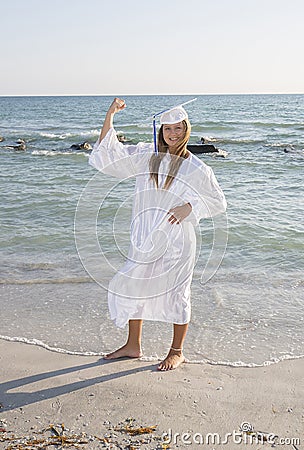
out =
column 13, row 400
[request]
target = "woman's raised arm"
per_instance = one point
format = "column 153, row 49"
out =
column 117, row 105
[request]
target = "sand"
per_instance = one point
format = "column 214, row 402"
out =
column 92, row 396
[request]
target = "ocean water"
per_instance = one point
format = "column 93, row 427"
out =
column 247, row 293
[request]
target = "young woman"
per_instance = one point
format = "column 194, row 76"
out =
column 173, row 191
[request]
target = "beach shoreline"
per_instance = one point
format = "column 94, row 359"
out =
column 90, row 395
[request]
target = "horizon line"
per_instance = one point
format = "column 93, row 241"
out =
column 149, row 95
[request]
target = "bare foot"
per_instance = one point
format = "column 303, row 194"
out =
column 174, row 359
column 127, row 351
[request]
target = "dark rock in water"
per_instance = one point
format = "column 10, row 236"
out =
column 20, row 147
column 207, row 148
column 121, row 137
column 294, row 151
column 204, row 140
column 201, row 148
column 82, row 146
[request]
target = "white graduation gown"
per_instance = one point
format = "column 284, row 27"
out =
column 154, row 283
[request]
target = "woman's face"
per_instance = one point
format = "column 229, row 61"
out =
column 174, row 134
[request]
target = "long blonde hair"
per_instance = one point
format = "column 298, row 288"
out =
column 181, row 153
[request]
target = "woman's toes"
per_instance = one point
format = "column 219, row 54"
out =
column 171, row 362
column 124, row 352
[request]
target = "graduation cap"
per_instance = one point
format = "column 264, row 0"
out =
column 170, row 116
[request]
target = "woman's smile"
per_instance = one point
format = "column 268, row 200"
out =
column 173, row 133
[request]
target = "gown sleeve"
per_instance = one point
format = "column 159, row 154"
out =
column 116, row 159
column 205, row 195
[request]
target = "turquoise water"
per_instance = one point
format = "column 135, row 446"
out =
column 249, row 312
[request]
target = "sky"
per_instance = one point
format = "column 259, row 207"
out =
column 149, row 47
